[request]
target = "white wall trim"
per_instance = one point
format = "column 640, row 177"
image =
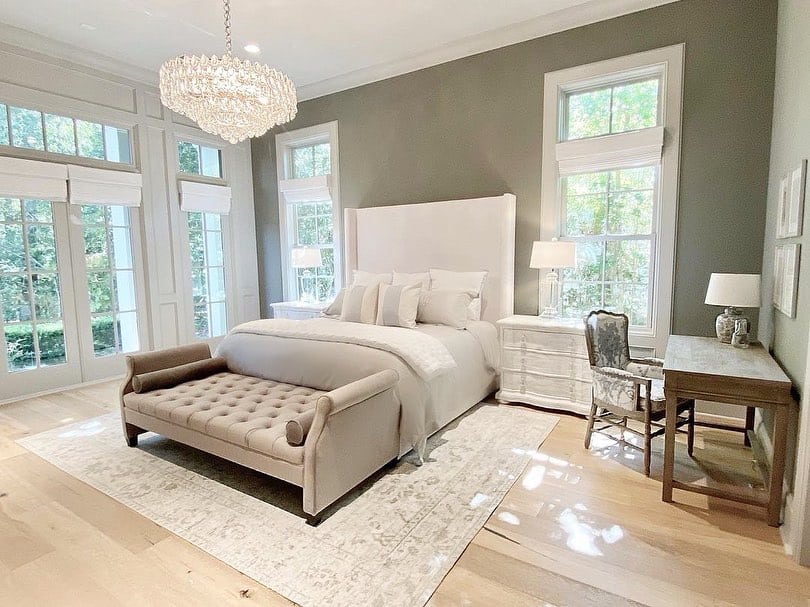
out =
column 669, row 62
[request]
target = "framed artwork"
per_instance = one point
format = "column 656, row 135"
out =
column 786, row 278
column 783, row 206
column 795, row 199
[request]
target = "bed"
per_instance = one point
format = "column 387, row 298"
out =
column 462, row 235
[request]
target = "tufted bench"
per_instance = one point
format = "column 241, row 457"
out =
column 243, row 418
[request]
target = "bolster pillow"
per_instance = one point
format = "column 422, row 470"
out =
column 298, row 428
column 173, row 376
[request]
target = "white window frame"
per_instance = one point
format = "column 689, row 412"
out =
column 285, row 142
column 668, row 63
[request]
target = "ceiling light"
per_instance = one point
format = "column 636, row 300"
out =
column 228, row 96
column 87, row 26
column 252, row 48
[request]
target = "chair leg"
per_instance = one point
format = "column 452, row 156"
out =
column 589, row 429
column 647, row 441
column 690, row 441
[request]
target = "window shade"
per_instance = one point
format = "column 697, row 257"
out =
column 205, row 197
column 102, row 186
column 307, row 189
column 33, row 179
column 638, row 148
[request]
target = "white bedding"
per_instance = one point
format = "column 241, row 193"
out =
column 427, row 355
column 303, row 356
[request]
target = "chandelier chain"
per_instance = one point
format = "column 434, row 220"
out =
column 226, row 4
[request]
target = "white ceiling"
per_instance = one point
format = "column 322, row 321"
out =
column 324, row 45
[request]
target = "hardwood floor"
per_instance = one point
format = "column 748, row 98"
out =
column 578, row 528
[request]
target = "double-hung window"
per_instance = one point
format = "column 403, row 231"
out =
column 610, row 176
column 309, row 209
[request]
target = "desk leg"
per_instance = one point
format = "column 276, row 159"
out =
column 669, row 446
column 777, row 466
column 749, row 424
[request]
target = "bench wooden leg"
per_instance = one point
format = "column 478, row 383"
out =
column 131, row 434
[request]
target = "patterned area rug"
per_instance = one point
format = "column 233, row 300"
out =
column 390, row 542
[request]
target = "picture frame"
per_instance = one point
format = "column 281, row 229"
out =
column 786, row 278
column 795, row 201
column 783, row 208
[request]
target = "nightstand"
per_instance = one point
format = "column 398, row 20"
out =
column 545, row 363
column 297, row 310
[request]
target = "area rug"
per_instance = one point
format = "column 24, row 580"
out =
column 390, row 542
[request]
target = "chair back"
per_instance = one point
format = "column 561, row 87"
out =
column 606, row 338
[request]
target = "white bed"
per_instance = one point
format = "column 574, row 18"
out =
column 467, row 235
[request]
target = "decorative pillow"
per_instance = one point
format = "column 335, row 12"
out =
column 444, row 307
column 421, row 278
column 360, row 304
column 334, row 308
column 174, row 376
column 368, row 278
column 298, row 428
column 397, row 305
column 470, row 282
column 474, row 309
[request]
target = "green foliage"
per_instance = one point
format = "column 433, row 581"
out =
column 26, row 128
column 4, row 140
column 59, row 135
column 91, row 139
column 311, row 161
column 188, row 155
column 613, row 109
column 20, row 345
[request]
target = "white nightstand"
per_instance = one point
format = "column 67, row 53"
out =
column 297, row 310
column 545, row 363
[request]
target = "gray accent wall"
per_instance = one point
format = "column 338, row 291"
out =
column 473, row 127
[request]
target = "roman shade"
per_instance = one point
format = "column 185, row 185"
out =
column 307, row 189
column 33, row 179
column 102, row 186
column 594, row 154
column 205, row 197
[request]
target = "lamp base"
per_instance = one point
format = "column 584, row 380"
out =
column 725, row 322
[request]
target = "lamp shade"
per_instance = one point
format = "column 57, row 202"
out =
column 306, row 257
column 553, row 254
column 737, row 290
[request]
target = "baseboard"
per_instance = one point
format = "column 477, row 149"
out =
column 61, row 389
column 714, row 419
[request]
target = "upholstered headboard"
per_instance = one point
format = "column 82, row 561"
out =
column 460, row 235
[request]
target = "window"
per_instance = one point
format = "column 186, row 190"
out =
column 610, row 185
column 29, row 285
column 110, row 277
column 196, row 159
column 34, row 130
column 207, row 274
column 309, row 209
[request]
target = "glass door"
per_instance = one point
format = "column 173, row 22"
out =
column 105, row 248
column 39, row 335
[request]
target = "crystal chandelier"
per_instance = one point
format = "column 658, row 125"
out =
column 228, row 96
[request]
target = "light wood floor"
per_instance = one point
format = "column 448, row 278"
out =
column 578, row 528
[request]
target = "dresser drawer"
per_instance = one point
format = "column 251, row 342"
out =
column 540, row 362
column 526, row 383
column 544, row 341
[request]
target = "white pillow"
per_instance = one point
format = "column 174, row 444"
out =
column 360, row 304
column 397, row 305
column 368, row 278
column 334, row 308
column 444, row 307
column 403, row 278
column 474, row 309
column 470, row 282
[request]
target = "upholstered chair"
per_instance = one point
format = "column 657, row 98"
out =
column 627, row 389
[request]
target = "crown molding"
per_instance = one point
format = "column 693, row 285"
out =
column 48, row 49
column 589, row 12
column 559, row 21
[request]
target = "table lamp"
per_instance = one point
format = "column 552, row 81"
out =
column 732, row 291
column 553, row 254
column 306, row 258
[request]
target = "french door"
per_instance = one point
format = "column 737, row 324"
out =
column 68, row 284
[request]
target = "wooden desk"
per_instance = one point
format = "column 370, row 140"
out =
column 706, row 369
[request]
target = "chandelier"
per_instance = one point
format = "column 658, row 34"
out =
column 228, row 96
